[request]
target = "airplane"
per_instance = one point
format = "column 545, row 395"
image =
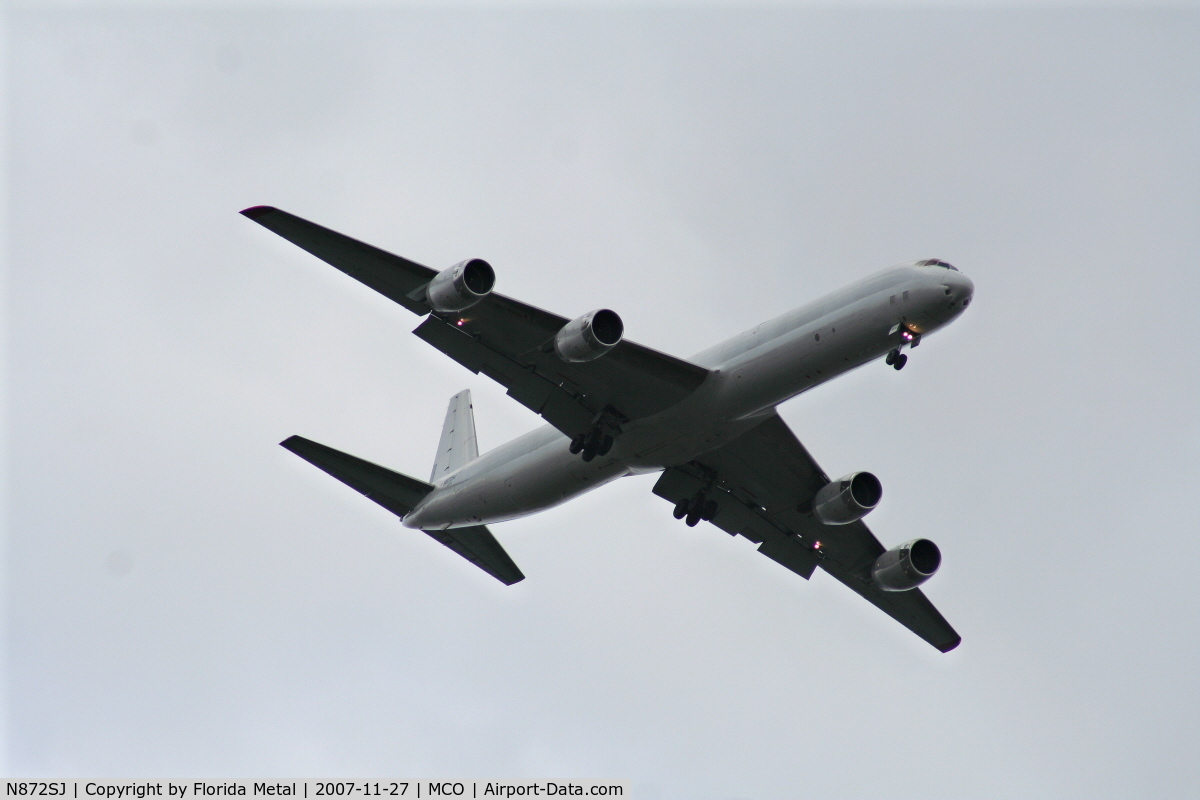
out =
column 708, row 424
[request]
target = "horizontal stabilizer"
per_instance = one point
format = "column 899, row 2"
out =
column 477, row 545
column 400, row 494
column 395, row 492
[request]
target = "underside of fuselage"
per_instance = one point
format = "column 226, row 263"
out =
column 749, row 376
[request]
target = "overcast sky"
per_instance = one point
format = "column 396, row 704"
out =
column 188, row 600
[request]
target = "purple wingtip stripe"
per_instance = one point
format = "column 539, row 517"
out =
column 254, row 212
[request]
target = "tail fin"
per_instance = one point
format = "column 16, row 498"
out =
column 457, row 446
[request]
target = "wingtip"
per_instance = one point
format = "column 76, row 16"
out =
column 254, row 212
column 948, row 646
column 292, row 442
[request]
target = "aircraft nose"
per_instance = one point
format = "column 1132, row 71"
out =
column 960, row 289
column 967, row 289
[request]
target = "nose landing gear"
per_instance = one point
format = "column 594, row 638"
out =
column 895, row 358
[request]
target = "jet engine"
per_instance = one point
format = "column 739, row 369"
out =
column 461, row 286
column 907, row 566
column 847, row 500
column 589, row 337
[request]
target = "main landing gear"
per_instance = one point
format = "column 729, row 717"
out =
column 696, row 509
column 598, row 439
column 593, row 443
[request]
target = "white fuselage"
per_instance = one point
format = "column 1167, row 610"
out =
column 750, row 374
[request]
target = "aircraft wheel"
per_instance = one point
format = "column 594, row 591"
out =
column 891, row 357
column 681, row 509
column 577, row 444
column 709, row 511
column 605, row 445
column 588, row 454
column 692, row 518
column 901, row 360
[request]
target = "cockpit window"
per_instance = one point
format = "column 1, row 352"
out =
column 933, row 262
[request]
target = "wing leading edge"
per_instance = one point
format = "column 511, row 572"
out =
column 509, row 341
column 762, row 481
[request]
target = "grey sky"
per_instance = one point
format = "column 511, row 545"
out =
column 187, row 599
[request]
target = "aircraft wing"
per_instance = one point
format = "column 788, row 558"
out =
column 762, row 480
column 507, row 340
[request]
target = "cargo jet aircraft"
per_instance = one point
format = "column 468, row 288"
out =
column 616, row 408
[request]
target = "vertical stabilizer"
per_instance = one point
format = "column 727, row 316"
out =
column 457, row 446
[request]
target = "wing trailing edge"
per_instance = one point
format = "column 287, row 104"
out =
column 504, row 339
column 760, row 482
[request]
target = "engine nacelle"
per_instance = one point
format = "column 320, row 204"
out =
column 848, row 500
column 461, row 286
column 590, row 336
column 907, row 566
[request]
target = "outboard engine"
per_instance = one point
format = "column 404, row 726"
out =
column 589, row 337
column 848, row 499
column 461, row 286
column 907, row 566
